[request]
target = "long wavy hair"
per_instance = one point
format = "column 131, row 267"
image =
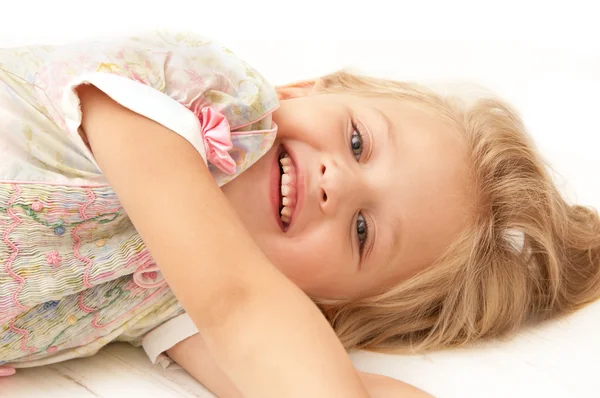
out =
column 527, row 256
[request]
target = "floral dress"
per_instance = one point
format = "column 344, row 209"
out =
column 74, row 273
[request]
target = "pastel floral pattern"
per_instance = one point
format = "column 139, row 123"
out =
column 37, row 206
column 51, row 304
column 76, row 275
column 53, row 258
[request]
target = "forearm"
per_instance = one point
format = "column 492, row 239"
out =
column 193, row 355
column 386, row 387
column 254, row 321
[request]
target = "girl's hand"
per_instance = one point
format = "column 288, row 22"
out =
column 193, row 355
column 254, row 321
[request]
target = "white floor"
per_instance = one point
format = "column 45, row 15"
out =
column 120, row 370
column 559, row 359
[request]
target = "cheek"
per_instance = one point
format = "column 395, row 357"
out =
column 304, row 123
column 307, row 261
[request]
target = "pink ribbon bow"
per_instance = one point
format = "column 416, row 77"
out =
column 216, row 136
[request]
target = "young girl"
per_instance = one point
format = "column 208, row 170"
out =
column 415, row 221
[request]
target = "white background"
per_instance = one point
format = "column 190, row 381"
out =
column 543, row 57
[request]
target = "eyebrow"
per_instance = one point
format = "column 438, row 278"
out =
column 395, row 231
column 396, row 226
column 395, row 222
column 390, row 131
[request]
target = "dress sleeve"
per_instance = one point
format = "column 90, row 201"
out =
column 158, row 341
column 169, row 78
column 139, row 98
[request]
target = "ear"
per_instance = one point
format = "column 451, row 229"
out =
column 295, row 90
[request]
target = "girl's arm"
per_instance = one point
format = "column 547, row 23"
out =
column 192, row 354
column 266, row 335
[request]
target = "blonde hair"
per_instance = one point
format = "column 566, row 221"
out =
column 485, row 285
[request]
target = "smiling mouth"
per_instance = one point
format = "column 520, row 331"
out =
column 288, row 192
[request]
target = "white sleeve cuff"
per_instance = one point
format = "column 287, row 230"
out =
column 166, row 336
column 139, row 98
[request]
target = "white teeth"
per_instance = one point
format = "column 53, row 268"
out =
column 288, row 191
column 285, row 161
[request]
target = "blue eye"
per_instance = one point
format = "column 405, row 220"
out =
column 361, row 230
column 356, row 144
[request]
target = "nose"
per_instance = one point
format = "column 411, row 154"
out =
column 336, row 186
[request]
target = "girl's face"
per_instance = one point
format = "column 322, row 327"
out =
column 375, row 190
